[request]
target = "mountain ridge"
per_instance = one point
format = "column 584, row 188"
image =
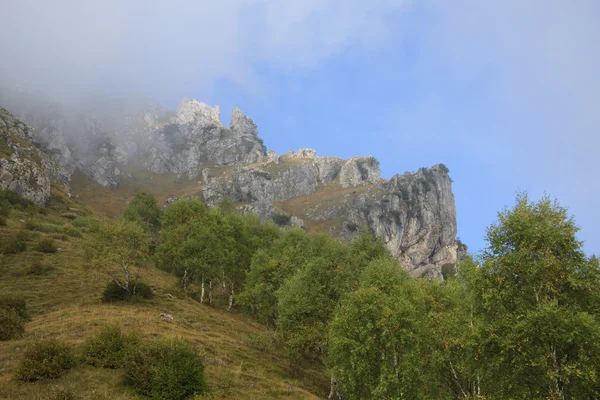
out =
column 413, row 213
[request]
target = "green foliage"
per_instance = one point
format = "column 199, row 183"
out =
column 119, row 249
column 15, row 244
column 2, row 220
column 165, row 369
column 11, row 324
column 72, row 231
column 115, row 293
column 537, row 295
column 37, row 268
column 375, row 337
column 144, row 210
column 108, row 348
column 43, row 227
column 45, row 359
column 46, row 245
column 15, row 302
column 87, row 224
column 15, row 201
column 281, row 219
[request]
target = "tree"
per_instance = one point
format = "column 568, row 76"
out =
column 537, row 295
column 144, row 210
column 120, row 249
column 375, row 335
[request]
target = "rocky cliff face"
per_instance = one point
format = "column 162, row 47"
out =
column 24, row 169
column 72, row 139
column 413, row 213
column 193, row 137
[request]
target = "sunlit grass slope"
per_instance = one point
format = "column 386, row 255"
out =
column 64, row 301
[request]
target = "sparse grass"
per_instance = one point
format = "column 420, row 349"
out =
column 64, row 302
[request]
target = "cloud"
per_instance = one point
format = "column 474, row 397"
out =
column 162, row 46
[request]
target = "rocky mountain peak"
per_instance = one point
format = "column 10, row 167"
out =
column 193, row 112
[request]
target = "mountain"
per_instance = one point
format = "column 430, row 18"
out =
column 120, row 143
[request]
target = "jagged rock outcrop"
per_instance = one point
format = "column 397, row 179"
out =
column 72, row 139
column 194, row 136
column 21, row 168
column 360, row 170
column 416, row 217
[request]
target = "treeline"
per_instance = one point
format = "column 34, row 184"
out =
column 519, row 321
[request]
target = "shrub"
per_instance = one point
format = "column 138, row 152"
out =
column 11, row 324
column 113, row 292
column 2, row 220
column 143, row 290
column 46, row 245
column 69, row 216
column 72, row 231
column 13, row 199
column 43, row 227
column 108, row 347
column 13, row 245
column 15, row 302
column 166, row 369
column 282, row 219
column 45, row 359
column 37, row 268
column 86, row 223
column 4, row 207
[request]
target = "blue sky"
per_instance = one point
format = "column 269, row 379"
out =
column 506, row 94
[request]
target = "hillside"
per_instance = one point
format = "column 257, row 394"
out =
column 64, row 299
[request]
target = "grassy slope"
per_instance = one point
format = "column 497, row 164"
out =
column 65, row 303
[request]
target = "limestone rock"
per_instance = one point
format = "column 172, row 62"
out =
column 360, row 170
column 328, row 168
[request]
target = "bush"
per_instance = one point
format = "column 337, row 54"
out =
column 2, row 220
column 69, row 216
column 15, row 244
column 43, row 227
column 166, row 369
column 37, row 268
column 15, row 302
column 113, row 292
column 143, row 290
column 45, row 359
column 108, row 347
column 282, row 219
column 11, row 324
column 46, row 245
column 86, row 223
column 72, row 231
column 4, row 208
column 14, row 200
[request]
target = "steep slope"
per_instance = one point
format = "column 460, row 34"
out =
column 64, row 302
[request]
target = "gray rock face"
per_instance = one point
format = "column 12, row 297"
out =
column 194, row 137
column 255, row 185
column 71, row 139
column 20, row 169
column 416, row 217
column 360, row 170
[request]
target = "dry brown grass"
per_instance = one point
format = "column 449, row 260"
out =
column 65, row 303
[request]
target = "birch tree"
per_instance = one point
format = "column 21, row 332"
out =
column 120, row 249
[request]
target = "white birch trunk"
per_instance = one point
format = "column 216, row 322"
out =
column 210, row 292
column 202, row 291
column 230, row 298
